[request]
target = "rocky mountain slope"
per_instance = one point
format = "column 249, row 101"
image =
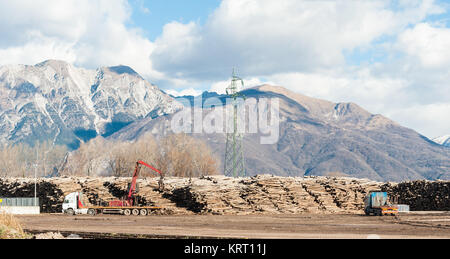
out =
column 56, row 101
column 318, row 137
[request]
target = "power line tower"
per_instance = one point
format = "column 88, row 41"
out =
column 234, row 151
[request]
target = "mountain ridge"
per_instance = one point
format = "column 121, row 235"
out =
column 57, row 99
column 318, row 137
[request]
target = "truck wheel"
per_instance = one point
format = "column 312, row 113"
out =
column 144, row 212
column 366, row 212
column 135, row 212
column 127, row 212
column 91, row 212
column 70, row 212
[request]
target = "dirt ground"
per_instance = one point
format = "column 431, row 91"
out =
column 302, row 226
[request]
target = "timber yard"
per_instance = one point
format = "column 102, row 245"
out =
column 263, row 206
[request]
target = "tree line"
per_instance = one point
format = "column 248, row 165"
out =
column 177, row 155
column 22, row 160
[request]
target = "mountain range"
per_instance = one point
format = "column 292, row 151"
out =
column 56, row 101
column 318, row 137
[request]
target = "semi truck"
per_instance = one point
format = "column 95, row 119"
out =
column 73, row 202
column 73, row 205
column 377, row 203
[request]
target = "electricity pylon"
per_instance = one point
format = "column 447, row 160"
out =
column 234, row 152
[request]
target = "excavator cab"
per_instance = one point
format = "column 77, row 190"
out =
column 377, row 203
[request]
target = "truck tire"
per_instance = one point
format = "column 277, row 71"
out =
column 367, row 212
column 70, row 212
column 144, row 212
column 127, row 212
column 91, row 212
column 135, row 212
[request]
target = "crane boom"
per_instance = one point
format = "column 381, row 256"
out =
column 135, row 176
column 149, row 166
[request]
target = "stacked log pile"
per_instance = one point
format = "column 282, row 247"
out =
column 152, row 196
column 347, row 193
column 48, row 193
column 421, row 195
column 272, row 195
column 223, row 196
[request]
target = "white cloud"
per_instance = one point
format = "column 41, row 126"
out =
column 429, row 45
column 361, row 86
column 218, row 87
column 184, row 92
column 221, row 86
column 38, row 50
column 266, row 37
column 142, row 8
column 431, row 120
column 85, row 32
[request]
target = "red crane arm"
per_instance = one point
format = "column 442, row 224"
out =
column 149, row 166
column 136, row 175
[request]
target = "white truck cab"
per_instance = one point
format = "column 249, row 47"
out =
column 72, row 204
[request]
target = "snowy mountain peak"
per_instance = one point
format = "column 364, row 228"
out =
column 123, row 70
column 53, row 63
column 56, row 100
column 444, row 140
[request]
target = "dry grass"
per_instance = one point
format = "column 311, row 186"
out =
column 10, row 227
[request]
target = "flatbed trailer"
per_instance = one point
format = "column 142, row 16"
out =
column 127, row 211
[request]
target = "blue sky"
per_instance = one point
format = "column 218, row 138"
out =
column 391, row 57
column 152, row 15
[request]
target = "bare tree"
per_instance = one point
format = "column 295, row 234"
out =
column 185, row 156
column 21, row 160
column 175, row 155
column 82, row 161
column 8, row 159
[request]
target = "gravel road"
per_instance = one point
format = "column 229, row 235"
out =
column 412, row 225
